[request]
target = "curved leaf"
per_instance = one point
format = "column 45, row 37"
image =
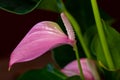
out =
column 19, row 6
column 113, row 41
column 50, row 5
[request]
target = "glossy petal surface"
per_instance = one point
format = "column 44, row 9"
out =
column 41, row 38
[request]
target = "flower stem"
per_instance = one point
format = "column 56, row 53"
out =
column 101, row 34
column 78, row 60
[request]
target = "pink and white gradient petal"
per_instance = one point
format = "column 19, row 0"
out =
column 42, row 37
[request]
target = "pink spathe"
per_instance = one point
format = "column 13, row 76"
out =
column 72, row 69
column 42, row 37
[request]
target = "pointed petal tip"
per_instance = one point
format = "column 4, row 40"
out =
column 9, row 67
column 11, row 63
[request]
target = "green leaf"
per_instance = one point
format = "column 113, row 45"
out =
column 47, row 73
column 19, row 6
column 89, row 35
column 74, row 78
column 50, row 5
column 113, row 41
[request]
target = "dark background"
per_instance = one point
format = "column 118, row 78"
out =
column 112, row 8
column 14, row 27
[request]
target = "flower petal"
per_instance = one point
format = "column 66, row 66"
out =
column 72, row 69
column 41, row 38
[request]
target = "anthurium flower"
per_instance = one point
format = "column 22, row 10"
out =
column 88, row 66
column 42, row 37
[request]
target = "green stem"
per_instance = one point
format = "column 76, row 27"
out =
column 79, row 34
column 101, row 34
column 78, row 60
